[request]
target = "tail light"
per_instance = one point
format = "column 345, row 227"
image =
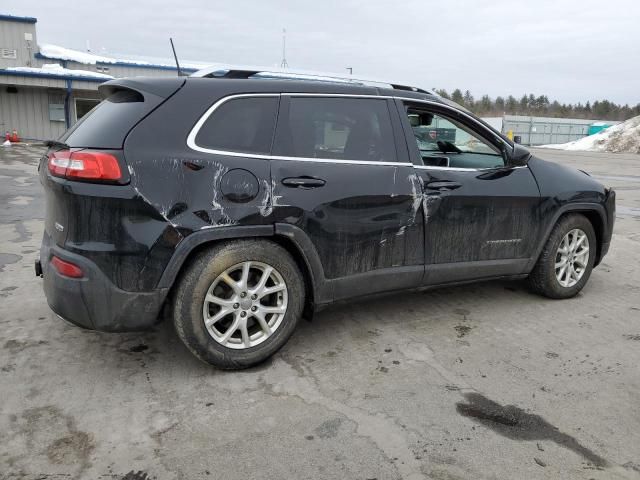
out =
column 84, row 165
column 66, row 269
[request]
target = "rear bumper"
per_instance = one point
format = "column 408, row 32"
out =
column 93, row 301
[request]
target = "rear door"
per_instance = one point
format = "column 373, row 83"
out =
column 481, row 215
column 341, row 175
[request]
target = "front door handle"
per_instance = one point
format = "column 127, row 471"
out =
column 443, row 186
column 303, row 182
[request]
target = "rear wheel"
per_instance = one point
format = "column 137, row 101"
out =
column 567, row 259
column 238, row 303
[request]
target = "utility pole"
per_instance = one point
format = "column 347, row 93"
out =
column 284, row 63
column 350, row 70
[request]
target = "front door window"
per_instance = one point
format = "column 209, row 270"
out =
column 444, row 142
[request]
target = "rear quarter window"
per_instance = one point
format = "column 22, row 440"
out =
column 244, row 125
column 107, row 124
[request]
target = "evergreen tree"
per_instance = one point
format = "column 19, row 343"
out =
column 530, row 104
column 443, row 93
column 457, row 96
column 468, row 100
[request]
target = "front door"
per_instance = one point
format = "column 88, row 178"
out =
column 480, row 214
column 341, row 176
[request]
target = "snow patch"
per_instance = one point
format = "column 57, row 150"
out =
column 56, row 69
column 621, row 138
column 62, row 53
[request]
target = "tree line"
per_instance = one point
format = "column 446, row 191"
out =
column 540, row 106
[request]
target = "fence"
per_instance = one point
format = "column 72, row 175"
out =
column 546, row 130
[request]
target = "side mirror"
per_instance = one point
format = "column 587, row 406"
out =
column 518, row 156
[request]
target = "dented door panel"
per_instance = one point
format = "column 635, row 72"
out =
column 365, row 217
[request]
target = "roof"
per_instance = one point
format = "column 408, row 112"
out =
column 301, row 75
column 233, row 86
column 13, row 18
column 56, row 52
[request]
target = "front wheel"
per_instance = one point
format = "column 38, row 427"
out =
column 238, row 303
column 567, row 259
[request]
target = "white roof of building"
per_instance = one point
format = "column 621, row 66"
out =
column 49, row 69
column 61, row 53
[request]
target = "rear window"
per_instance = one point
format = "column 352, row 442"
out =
column 107, row 124
column 242, row 125
column 338, row 128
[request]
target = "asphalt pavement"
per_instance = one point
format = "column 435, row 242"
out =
column 485, row 381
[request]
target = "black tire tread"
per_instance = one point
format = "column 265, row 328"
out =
column 200, row 266
column 542, row 278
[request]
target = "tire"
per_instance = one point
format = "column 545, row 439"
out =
column 543, row 278
column 208, row 267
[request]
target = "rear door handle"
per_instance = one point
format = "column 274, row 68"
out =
column 303, row 182
column 443, row 186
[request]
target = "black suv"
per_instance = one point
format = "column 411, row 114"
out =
column 241, row 202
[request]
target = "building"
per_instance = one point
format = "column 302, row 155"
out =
column 44, row 89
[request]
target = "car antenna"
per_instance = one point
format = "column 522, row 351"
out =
column 176, row 57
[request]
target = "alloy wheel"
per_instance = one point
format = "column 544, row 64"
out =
column 245, row 305
column 572, row 258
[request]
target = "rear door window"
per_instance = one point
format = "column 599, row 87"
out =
column 243, row 125
column 337, row 128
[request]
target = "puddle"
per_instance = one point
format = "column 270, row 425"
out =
column 516, row 424
column 462, row 330
column 8, row 259
column 139, row 348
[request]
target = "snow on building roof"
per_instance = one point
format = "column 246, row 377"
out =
column 54, row 70
column 61, row 53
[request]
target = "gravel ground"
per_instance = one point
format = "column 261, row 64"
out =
column 477, row 382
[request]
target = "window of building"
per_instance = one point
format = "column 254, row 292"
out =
column 240, row 125
column 84, row 106
column 56, row 107
column 338, row 128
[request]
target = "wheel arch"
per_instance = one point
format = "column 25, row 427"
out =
column 291, row 238
column 595, row 213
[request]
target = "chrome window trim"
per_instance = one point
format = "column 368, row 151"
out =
column 463, row 169
column 452, row 109
column 351, row 95
column 191, row 138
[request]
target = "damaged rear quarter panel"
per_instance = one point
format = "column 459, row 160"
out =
column 183, row 186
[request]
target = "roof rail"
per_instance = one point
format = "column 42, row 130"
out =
column 230, row 72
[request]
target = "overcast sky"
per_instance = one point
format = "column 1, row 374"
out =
column 570, row 50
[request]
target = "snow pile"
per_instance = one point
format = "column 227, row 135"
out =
column 62, row 53
column 621, row 138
